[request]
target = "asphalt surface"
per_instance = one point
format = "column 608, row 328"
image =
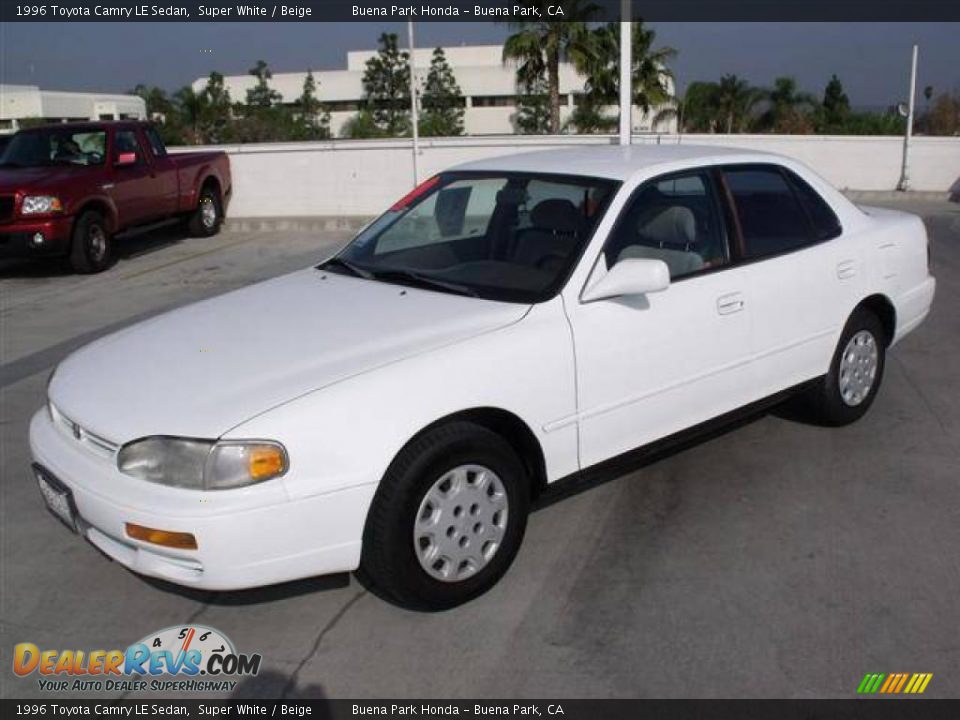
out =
column 775, row 560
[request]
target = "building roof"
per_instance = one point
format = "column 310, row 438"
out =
column 615, row 162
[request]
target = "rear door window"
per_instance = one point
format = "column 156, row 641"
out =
column 770, row 215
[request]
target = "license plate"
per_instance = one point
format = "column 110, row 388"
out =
column 57, row 496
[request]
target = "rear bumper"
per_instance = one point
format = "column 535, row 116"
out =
column 913, row 306
column 16, row 237
column 245, row 538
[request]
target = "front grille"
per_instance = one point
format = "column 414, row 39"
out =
column 6, row 207
column 100, row 445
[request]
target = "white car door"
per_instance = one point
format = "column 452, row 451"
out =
column 651, row 365
column 801, row 272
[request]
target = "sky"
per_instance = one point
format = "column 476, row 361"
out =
column 871, row 59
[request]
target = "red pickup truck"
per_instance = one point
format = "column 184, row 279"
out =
column 66, row 190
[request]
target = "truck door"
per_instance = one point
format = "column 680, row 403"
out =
column 136, row 185
column 167, row 201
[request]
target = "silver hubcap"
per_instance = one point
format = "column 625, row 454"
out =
column 460, row 523
column 208, row 213
column 97, row 242
column 858, row 368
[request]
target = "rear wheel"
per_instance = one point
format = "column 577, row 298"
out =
column 447, row 519
column 208, row 215
column 91, row 248
column 849, row 388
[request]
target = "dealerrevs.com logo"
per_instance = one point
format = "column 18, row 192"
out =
column 189, row 658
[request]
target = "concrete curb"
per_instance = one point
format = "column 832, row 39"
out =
column 896, row 195
column 320, row 223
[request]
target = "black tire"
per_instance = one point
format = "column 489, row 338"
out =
column 91, row 248
column 825, row 399
column 389, row 565
column 206, row 219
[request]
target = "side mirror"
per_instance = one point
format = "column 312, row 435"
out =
column 630, row 276
column 125, row 159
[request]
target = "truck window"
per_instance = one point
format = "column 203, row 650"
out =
column 125, row 141
column 157, row 147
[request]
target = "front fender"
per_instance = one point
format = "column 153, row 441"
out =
column 346, row 434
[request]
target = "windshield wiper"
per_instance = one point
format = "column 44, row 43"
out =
column 411, row 277
column 338, row 262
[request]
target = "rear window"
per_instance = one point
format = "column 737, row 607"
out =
column 826, row 225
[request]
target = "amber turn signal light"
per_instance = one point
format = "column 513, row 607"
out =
column 266, row 461
column 179, row 540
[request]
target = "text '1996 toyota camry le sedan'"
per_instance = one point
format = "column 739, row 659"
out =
column 508, row 324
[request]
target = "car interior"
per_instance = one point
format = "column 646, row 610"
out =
column 523, row 239
column 670, row 222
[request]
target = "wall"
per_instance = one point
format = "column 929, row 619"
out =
column 350, row 177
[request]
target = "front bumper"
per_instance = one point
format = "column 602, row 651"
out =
column 15, row 237
column 246, row 538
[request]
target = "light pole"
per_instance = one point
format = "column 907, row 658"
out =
column 626, row 76
column 414, row 115
column 904, row 183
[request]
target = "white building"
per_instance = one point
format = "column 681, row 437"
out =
column 19, row 102
column 488, row 85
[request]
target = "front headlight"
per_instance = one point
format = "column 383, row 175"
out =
column 40, row 205
column 202, row 464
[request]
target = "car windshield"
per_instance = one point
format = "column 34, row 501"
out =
column 55, row 146
column 513, row 237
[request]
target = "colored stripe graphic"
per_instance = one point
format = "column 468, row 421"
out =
column 894, row 683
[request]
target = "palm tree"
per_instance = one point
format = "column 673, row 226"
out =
column 734, row 99
column 787, row 107
column 539, row 47
column 651, row 77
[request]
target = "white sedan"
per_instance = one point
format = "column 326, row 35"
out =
column 509, row 324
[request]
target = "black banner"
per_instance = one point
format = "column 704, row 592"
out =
column 861, row 709
column 475, row 10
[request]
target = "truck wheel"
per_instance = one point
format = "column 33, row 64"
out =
column 849, row 388
column 447, row 519
column 206, row 219
column 91, row 249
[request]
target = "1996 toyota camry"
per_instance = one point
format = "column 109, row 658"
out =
column 509, row 323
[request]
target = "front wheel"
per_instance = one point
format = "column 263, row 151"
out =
column 447, row 519
column 208, row 215
column 90, row 248
column 849, row 388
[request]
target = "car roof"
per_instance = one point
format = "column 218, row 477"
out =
column 615, row 162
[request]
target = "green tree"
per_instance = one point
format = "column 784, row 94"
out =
column 262, row 95
column 698, row 108
column 788, row 109
column 313, row 119
column 263, row 117
column 534, row 109
column 650, row 76
column 734, row 101
column 835, row 108
column 191, row 110
column 216, row 111
column 386, row 87
column 944, row 116
column 539, row 47
column 164, row 113
column 362, row 126
column 442, row 99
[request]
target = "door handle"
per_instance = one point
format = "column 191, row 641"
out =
column 846, row 269
column 730, row 303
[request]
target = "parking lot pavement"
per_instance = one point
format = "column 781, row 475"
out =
column 775, row 560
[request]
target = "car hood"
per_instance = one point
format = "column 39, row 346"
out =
column 14, row 179
column 202, row 369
